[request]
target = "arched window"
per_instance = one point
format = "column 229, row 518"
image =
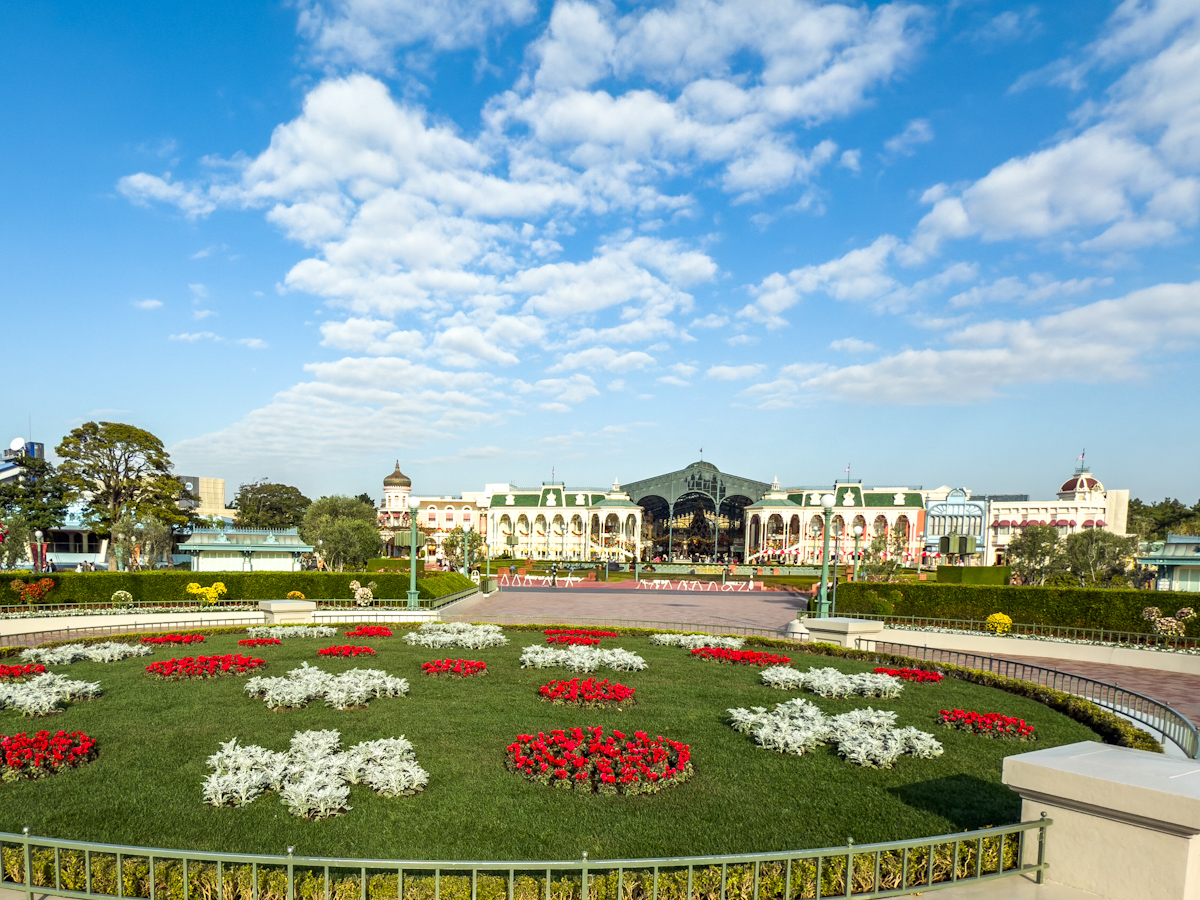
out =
column 880, row 526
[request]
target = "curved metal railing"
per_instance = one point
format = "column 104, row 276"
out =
column 1162, row 717
column 90, row 871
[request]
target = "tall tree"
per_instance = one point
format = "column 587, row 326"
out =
column 1096, row 557
column 118, row 470
column 263, row 504
column 1153, row 521
column 459, row 542
column 38, row 495
column 15, row 548
column 1036, row 554
column 344, row 530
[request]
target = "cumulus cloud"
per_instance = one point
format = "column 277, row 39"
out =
column 367, row 33
column 148, row 304
column 1106, row 341
column 193, row 337
column 734, row 373
column 915, row 133
column 604, row 358
column 852, row 345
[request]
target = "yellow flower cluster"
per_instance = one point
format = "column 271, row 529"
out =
column 998, row 623
column 295, row 595
column 207, row 594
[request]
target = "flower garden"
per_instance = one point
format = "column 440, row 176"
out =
column 320, row 753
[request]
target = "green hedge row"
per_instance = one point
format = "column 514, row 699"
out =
column 149, row 588
column 1118, row 610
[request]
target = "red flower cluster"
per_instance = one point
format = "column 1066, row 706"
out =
column 581, row 632
column 370, row 631
column 175, row 639
column 41, row 754
column 740, row 657
column 571, row 639
column 590, row 693
column 917, row 675
column 204, row 666
column 347, row 650
column 17, row 673
column 993, row 725
column 259, row 642
column 462, row 667
column 585, row 760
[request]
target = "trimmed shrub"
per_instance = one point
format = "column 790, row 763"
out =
column 151, row 588
column 1119, row 610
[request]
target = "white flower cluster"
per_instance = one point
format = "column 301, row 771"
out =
column 363, row 596
column 696, row 641
column 581, row 659
column 866, row 737
column 352, row 688
column 283, row 632
column 829, row 682
column 109, row 651
column 313, row 777
column 44, row 695
column 457, row 634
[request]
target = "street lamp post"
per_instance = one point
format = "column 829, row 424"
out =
column 827, row 501
column 413, row 505
column 37, row 552
column 858, row 531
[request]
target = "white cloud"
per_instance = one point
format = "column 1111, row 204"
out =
column 684, row 370
column 674, row 380
column 1009, row 26
column 199, row 291
column 143, row 188
column 201, row 314
column 851, row 159
column 852, row 345
column 564, row 392
column 915, row 133
column 1039, row 288
column 368, row 33
column 734, row 373
column 604, row 358
column 148, row 304
column 1105, row 341
column 253, row 343
column 712, row 320
column 194, row 336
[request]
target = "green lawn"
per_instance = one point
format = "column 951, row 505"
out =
column 154, row 737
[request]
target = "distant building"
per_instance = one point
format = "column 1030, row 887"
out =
column 557, row 522
column 210, row 497
column 244, row 549
column 16, row 450
column 958, row 514
column 437, row 516
column 1178, row 562
column 1082, row 503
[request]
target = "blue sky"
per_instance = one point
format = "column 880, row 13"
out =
column 943, row 243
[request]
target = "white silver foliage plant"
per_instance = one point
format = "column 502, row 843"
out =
column 106, row 652
column 301, row 686
column 696, row 641
column 282, row 632
column 865, row 737
column 457, row 634
column 45, row 694
column 829, row 682
column 313, row 777
column 580, row 659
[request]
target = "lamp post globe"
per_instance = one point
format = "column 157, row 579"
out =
column 37, row 556
column 827, row 501
column 858, row 533
column 413, row 505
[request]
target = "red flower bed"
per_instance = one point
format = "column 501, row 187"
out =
column 259, row 642
column 41, row 754
column 592, row 693
column 347, row 650
column 576, row 640
column 993, row 725
column 464, row 668
column 585, row 760
column 581, row 632
column 204, row 666
column 20, row 672
column 370, row 631
column 740, row 657
column 917, row 675
column 175, row 639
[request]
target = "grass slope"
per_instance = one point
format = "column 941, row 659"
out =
column 154, row 737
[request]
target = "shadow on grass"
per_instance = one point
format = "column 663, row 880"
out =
column 965, row 800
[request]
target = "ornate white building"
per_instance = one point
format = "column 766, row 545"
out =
column 437, row 516
column 788, row 524
column 557, row 522
column 1082, row 503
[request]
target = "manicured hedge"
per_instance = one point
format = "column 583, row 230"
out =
column 1119, row 610
column 149, row 588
